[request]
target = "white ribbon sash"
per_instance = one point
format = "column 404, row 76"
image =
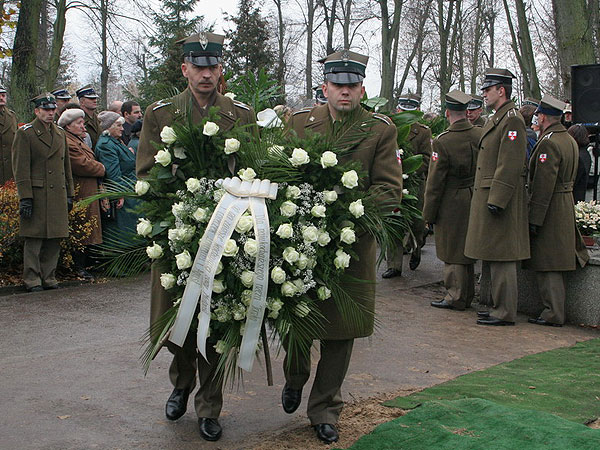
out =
column 240, row 194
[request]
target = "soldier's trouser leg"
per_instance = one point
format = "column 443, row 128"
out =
column 459, row 281
column 32, row 273
column 504, row 290
column 325, row 401
column 209, row 398
column 551, row 286
column 49, row 255
column 296, row 369
column 394, row 261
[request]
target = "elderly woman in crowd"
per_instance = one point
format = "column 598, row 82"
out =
column 87, row 176
column 119, row 161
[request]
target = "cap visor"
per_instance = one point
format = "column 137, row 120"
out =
column 489, row 83
column 91, row 96
column 203, row 61
column 344, row 78
column 407, row 107
column 53, row 106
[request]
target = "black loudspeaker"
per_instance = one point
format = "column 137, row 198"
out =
column 585, row 93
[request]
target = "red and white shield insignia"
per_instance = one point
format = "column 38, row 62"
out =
column 399, row 156
column 543, row 157
column 434, row 156
column 512, row 135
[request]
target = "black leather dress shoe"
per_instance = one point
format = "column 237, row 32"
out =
column 415, row 259
column 445, row 305
column 483, row 314
column 327, row 432
column 51, row 286
column 490, row 320
column 35, row 289
column 177, row 404
column 210, row 429
column 391, row 273
column 540, row 321
column 290, row 399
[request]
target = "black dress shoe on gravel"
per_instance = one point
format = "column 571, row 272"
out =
column 327, row 432
column 391, row 273
column 35, row 289
column 210, row 429
column 540, row 321
column 290, row 399
column 177, row 404
column 490, row 320
column 483, row 314
column 51, row 286
column 445, row 305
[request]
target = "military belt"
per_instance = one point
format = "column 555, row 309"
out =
column 563, row 188
column 460, row 183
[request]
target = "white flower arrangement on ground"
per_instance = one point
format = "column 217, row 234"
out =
column 587, row 217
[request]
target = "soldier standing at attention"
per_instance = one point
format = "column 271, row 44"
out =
column 63, row 98
column 202, row 67
column 420, row 140
column 344, row 72
column 474, row 111
column 448, row 199
column 498, row 229
column 88, row 100
column 556, row 245
column 42, row 170
column 8, row 128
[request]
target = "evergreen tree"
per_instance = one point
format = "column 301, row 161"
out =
column 249, row 48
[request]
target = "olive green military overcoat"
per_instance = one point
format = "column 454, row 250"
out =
column 42, row 172
column 377, row 153
column 450, row 188
column 420, row 140
column 480, row 122
column 8, row 128
column 500, row 181
column 558, row 246
column 92, row 126
column 159, row 115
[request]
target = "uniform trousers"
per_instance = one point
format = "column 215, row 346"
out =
column 325, row 401
column 40, row 258
column 504, row 289
column 459, row 280
column 551, row 286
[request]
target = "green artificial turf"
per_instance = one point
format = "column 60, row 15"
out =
column 564, row 382
column 476, row 424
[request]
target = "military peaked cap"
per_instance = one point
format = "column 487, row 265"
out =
column 61, row 93
column 531, row 101
column 87, row 92
column 409, row 102
column 476, row 102
column 2, row 90
column 344, row 67
column 44, row 101
column 457, row 100
column 551, row 106
column 203, row 49
column 495, row 76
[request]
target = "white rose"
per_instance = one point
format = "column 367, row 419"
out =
column 232, row 145
column 218, row 286
column 167, row 135
column 299, row 285
column 292, row 192
column 245, row 224
column 219, row 268
column 154, row 251
column 231, row 248
column 356, row 208
column 323, row 293
column 246, row 297
column 302, row 262
column 179, row 153
column 193, row 184
column 251, row 247
column 347, row 235
column 200, row 215
column 218, row 195
column 141, row 187
column 247, row 174
column 210, row 129
column 247, row 278
column 230, row 95
column 220, row 347
column 404, row 191
column 328, row 159
column 299, row 157
column 310, row 234
column 350, row 179
column 278, row 275
column 288, row 289
column 318, row 211
column 401, row 151
column 163, row 157
column 291, row 255
column 288, row 209
column 330, row 196
column 311, row 263
column 302, row 309
column 342, row 259
column 144, row 227
column 405, row 176
column 167, row 280
column 285, row 231
column 323, row 238
column 174, row 235
column 186, row 233
column 177, row 209
column 183, row 260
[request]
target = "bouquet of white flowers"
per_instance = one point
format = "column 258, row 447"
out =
column 587, row 217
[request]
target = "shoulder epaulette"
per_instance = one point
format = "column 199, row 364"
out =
column 27, row 126
column 422, row 125
column 160, row 104
column 549, row 135
column 442, row 133
column 512, row 112
column 241, row 105
column 305, row 110
column 383, row 118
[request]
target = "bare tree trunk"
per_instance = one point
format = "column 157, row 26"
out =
column 477, row 34
column 448, row 31
column 594, row 8
column 310, row 20
column 330, row 17
column 104, row 53
column 347, row 16
column 280, row 48
column 57, row 43
column 389, row 47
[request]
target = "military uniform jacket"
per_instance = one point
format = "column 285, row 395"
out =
column 8, row 128
column 164, row 112
column 419, row 137
column 377, row 153
column 450, row 188
column 480, row 122
column 92, row 126
column 42, row 172
column 552, row 169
